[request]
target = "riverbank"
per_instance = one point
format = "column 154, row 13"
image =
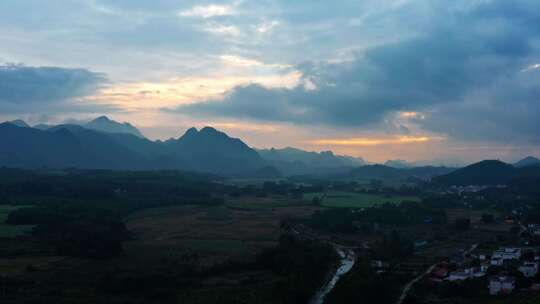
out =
column 347, row 260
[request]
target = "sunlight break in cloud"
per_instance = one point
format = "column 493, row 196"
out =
column 416, row 115
column 374, row 141
column 223, row 30
column 531, row 67
column 209, row 11
column 267, row 26
column 237, row 61
column 177, row 91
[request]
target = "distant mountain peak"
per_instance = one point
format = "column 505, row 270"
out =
column 102, row 118
column 211, row 131
column 398, row 163
column 291, row 160
column 104, row 124
column 527, row 161
column 191, row 131
column 214, row 151
column 329, row 153
column 19, row 123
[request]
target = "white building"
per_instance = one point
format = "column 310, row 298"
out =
column 497, row 262
column 529, row 269
column 468, row 273
column 507, row 254
column 501, row 285
column 460, row 275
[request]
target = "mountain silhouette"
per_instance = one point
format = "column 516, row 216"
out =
column 295, row 161
column 70, row 145
column 62, row 147
column 19, row 123
column 383, row 172
column 104, row 124
column 398, row 163
column 527, row 161
column 210, row 150
column 487, row 172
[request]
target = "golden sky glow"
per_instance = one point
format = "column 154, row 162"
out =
column 178, row 91
column 375, row 141
column 411, row 115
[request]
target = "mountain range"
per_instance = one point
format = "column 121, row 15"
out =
column 103, row 143
column 102, row 124
column 68, row 145
column 292, row 161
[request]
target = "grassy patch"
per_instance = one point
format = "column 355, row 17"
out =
column 338, row 199
column 217, row 214
column 10, row 231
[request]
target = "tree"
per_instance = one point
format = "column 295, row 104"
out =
column 463, row 224
column 487, row 218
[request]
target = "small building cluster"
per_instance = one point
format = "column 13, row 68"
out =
column 499, row 285
column 495, row 268
column 533, row 229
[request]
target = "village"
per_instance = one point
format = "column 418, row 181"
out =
column 485, row 273
column 498, row 267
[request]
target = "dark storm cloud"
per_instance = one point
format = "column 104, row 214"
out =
column 468, row 65
column 26, row 89
column 23, row 84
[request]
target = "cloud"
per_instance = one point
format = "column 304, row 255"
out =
column 24, row 88
column 267, row 27
column 238, row 61
column 531, row 67
column 208, row 11
column 223, row 30
column 465, row 68
column 23, row 84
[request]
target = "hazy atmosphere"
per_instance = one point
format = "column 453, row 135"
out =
column 270, row 151
column 440, row 81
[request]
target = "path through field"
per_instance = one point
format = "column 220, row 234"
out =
column 409, row 285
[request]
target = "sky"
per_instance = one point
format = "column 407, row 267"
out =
column 444, row 82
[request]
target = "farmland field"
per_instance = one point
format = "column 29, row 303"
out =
column 9, row 231
column 258, row 203
column 338, row 199
column 214, row 232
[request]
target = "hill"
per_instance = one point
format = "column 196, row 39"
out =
column 383, row 172
column 487, row 172
column 527, row 161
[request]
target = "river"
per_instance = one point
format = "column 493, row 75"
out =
column 347, row 260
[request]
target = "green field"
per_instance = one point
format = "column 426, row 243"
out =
column 338, row 199
column 10, row 231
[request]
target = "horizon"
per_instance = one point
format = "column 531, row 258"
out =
column 452, row 81
column 407, row 163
